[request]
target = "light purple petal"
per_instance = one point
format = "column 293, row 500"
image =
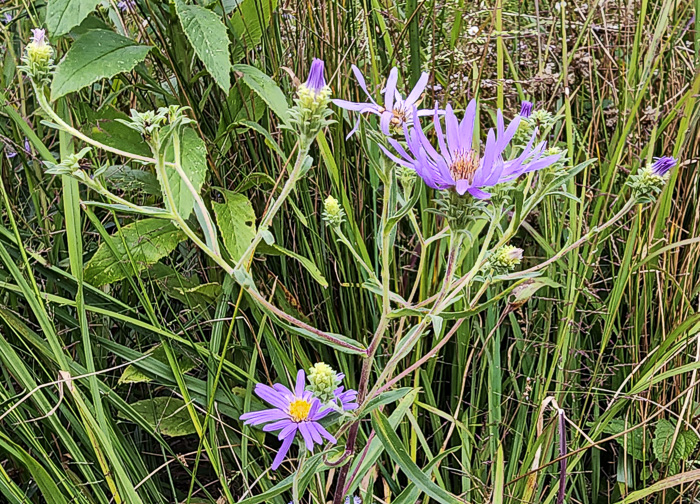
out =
column 452, row 132
column 275, row 426
column 348, row 105
column 306, row 434
column 271, row 395
column 282, row 453
column 417, row 90
column 391, row 88
column 263, row 416
column 325, row 433
column 301, row 383
column 314, row 432
column 466, row 128
column 361, row 80
column 478, row 193
column 289, row 431
column 461, row 186
column 385, row 122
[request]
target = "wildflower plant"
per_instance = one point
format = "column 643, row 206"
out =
column 484, row 181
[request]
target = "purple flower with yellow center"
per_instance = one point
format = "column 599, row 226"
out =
column 662, row 165
column 396, row 111
column 458, row 165
column 293, row 411
column 525, row 109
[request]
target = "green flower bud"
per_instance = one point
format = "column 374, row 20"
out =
column 332, row 212
column 506, row 258
column 323, row 381
column 649, row 181
column 38, row 59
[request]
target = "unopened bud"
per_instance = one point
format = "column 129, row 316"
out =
column 649, row 181
column 323, row 381
column 38, row 59
column 332, row 212
column 506, row 258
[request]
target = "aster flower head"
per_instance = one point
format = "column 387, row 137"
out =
column 525, row 109
column 651, row 179
column 38, row 58
column 457, row 164
column 311, row 110
column 396, row 111
column 506, row 258
column 346, row 398
column 293, row 412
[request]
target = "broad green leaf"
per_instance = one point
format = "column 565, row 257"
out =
column 98, row 54
column 236, row 220
column 62, row 15
column 632, row 442
column 193, row 160
column 132, row 373
column 207, row 34
column 398, row 453
column 166, row 415
column 266, row 89
column 132, row 180
column 387, row 397
column 523, row 292
column 249, row 21
column 669, row 454
column 148, row 240
column 102, row 125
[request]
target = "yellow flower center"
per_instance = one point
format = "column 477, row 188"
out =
column 299, row 410
column 465, row 165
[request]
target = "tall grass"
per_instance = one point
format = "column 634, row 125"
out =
column 603, row 356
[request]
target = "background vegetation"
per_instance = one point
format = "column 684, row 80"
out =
column 614, row 341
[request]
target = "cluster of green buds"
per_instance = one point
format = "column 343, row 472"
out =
column 38, row 57
column 333, row 214
column 407, row 178
column 311, row 111
column 505, row 259
column 649, row 181
column 323, row 381
column 156, row 127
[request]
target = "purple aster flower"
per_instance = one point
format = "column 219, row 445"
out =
column 10, row 152
column 458, row 165
column 293, row 412
column 316, row 82
column 27, row 146
column 7, row 18
column 347, row 398
column 662, row 165
column 396, row 111
column 526, row 109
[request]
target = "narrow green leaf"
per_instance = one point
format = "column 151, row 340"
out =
column 132, row 373
column 397, row 452
column 266, row 89
column 207, row 34
column 98, row 54
column 193, row 160
column 148, row 240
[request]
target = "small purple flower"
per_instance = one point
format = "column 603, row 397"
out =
column 293, row 412
column 7, row 18
column 458, row 165
column 316, row 81
column 39, row 36
column 27, row 146
column 347, row 398
column 396, row 111
column 127, row 5
column 662, row 165
column 526, row 109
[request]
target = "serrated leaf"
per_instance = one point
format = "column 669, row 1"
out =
column 266, row 89
column 193, row 161
column 166, row 415
column 632, row 442
column 98, row 54
column 207, row 34
column 236, row 220
column 249, row 21
column 62, row 15
column 685, row 444
column 132, row 373
column 148, row 241
column 398, row 453
column 131, row 180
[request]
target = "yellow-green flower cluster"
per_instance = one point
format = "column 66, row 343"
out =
column 312, row 101
column 649, row 181
column 38, row 58
column 332, row 212
column 506, row 258
column 323, row 381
